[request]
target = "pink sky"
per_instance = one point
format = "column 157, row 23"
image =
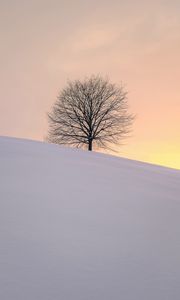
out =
column 44, row 43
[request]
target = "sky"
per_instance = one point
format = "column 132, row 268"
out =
column 44, row 43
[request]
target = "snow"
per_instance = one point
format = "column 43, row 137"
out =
column 76, row 225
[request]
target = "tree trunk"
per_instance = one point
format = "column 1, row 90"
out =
column 90, row 145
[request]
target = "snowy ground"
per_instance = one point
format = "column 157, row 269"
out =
column 76, row 225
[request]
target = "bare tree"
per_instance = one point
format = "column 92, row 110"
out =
column 88, row 112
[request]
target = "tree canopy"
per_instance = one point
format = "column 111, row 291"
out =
column 88, row 112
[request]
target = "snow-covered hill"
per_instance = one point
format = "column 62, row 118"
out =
column 76, row 225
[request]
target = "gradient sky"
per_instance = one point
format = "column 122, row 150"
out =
column 46, row 42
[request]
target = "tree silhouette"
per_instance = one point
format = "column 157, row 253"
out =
column 93, row 111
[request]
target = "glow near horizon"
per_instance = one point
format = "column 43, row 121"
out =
column 44, row 43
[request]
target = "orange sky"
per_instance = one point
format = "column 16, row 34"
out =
column 44, row 43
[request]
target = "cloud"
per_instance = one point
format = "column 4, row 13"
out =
column 92, row 39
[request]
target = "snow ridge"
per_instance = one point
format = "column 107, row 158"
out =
column 77, row 225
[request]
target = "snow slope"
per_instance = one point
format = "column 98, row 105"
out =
column 76, row 225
